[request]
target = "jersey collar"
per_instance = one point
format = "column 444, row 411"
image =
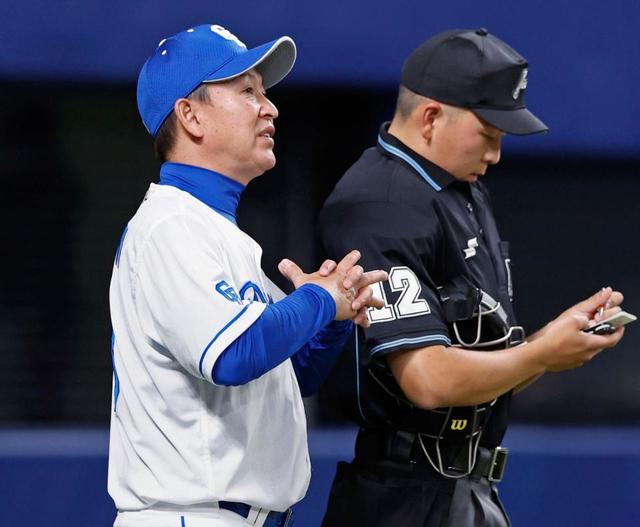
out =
column 219, row 192
column 436, row 177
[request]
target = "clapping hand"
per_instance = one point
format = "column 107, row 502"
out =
column 347, row 283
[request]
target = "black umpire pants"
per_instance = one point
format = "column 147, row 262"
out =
column 373, row 491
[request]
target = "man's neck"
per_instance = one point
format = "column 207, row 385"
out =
column 409, row 136
column 186, row 158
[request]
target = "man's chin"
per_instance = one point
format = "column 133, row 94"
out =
column 472, row 178
column 269, row 162
column 265, row 164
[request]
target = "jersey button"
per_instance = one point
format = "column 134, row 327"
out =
column 469, row 207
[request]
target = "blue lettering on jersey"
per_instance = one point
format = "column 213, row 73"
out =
column 251, row 291
column 120, row 244
column 116, row 380
column 227, row 291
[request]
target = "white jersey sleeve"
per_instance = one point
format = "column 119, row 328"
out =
column 185, row 296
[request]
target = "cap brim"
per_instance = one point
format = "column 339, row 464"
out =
column 515, row 122
column 273, row 60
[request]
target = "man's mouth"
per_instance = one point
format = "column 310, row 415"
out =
column 267, row 132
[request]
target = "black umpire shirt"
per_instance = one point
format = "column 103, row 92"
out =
column 414, row 220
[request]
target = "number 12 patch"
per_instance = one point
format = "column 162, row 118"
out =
column 408, row 304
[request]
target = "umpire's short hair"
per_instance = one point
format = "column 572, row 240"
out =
column 407, row 102
column 165, row 140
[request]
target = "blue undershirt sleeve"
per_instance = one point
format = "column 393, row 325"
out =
column 315, row 360
column 283, row 328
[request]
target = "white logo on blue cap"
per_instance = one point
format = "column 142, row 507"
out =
column 225, row 33
column 205, row 53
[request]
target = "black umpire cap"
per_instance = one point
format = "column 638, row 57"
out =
column 472, row 69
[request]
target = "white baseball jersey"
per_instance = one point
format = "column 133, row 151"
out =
column 186, row 283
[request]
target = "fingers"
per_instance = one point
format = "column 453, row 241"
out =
column 616, row 299
column 364, row 297
column 348, row 262
column 327, row 268
column 572, row 347
column 617, row 336
column 606, row 341
column 370, row 277
column 594, row 302
column 353, row 277
column 606, row 313
column 365, row 293
column 581, row 321
column 378, row 303
column 361, row 319
column 291, row 271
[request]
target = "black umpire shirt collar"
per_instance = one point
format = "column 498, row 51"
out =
column 436, row 177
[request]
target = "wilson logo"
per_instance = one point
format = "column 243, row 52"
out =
column 458, row 424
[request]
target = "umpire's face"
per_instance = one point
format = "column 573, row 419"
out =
column 463, row 144
column 238, row 127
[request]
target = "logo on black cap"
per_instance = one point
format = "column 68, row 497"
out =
column 522, row 84
column 474, row 69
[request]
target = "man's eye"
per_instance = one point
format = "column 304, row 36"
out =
column 248, row 89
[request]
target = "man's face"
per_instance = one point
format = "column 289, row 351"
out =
column 239, row 128
column 464, row 145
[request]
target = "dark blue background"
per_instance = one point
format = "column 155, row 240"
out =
column 583, row 79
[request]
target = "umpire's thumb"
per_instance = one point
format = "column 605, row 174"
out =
column 291, row 271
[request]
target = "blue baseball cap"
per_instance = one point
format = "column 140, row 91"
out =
column 207, row 53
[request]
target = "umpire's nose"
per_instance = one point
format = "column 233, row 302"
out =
column 492, row 154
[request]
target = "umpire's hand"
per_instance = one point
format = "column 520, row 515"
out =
column 567, row 345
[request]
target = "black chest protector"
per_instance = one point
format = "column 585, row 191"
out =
column 476, row 321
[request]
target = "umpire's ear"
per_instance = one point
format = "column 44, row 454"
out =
column 188, row 117
column 426, row 114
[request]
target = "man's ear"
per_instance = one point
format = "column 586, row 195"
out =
column 188, row 117
column 427, row 116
